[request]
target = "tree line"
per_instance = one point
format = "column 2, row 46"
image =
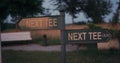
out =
column 94, row 9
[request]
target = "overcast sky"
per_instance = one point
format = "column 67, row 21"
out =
column 80, row 16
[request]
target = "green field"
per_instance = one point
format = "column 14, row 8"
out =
column 86, row 56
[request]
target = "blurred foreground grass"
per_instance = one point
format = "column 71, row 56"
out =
column 82, row 56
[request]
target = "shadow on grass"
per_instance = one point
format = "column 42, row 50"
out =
column 11, row 43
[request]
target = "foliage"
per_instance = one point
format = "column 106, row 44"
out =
column 80, row 23
column 115, row 19
column 71, row 7
column 20, row 8
column 93, row 26
column 3, row 9
column 115, row 33
column 95, row 9
column 118, row 34
column 25, row 8
column 8, row 26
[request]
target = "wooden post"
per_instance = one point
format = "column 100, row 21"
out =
column 62, row 29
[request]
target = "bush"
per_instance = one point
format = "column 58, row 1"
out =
column 80, row 23
column 114, row 33
column 118, row 33
column 5, row 26
column 93, row 26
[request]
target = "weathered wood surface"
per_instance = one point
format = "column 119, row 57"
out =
column 16, row 36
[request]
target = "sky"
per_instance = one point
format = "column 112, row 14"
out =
column 68, row 19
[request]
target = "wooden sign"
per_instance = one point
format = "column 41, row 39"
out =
column 47, row 22
column 87, row 36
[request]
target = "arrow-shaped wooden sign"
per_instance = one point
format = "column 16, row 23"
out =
column 45, row 22
column 87, row 36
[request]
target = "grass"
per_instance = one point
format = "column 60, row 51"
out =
column 82, row 56
column 94, row 57
column 49, row 42
column 30, row 57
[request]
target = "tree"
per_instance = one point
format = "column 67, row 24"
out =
column 119, row 10
column 3, row 12
column 3, row 9
column 71, row 7
column 115, row 19
column 95, row 9
column 21, row 8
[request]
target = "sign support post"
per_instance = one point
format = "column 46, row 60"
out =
column 62, row 29
column 0, row 50
column 63, row 44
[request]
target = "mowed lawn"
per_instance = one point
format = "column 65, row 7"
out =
column 82, row 56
